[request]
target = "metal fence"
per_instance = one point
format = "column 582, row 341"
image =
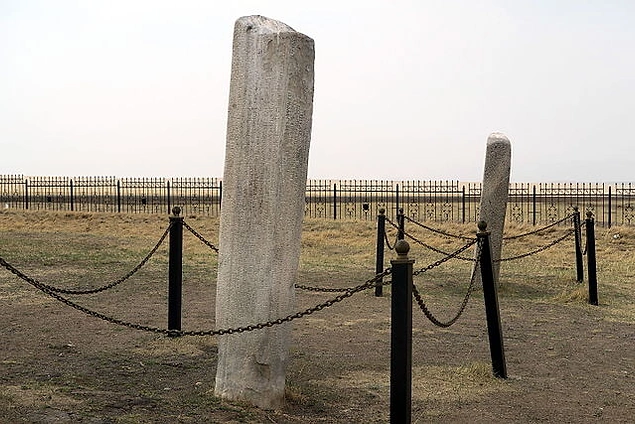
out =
column 433, row 201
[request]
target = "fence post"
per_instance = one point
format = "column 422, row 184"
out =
column 26, row 194
column 334, row 201
column 591, row 260
column 72, row 196
column 533, row 201
column 379, row 263
column 401, row 233
column 118, row 196
column 397, row 198
column 492, row 311
column 463, row 204
column 609, row 206
column 578, row 245
column 167, row 185
column 175, row 270
column 401, row 336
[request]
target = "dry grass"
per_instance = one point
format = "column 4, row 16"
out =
column 66, row 248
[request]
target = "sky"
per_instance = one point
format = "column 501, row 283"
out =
column 404, row 90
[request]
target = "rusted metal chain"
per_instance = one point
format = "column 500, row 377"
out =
column 434, row 249
column 98, row 289
column 434, row 230
column 388, row 242
column 463, row 306
column 364, row 286
column 447, row 258
column 200, row 237
column 553, row 224
column 540, row 249
column 322, row 289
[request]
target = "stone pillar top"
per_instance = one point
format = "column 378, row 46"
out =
column 497, row 137
column 263, row 25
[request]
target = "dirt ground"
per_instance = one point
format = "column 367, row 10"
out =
column 568, row 362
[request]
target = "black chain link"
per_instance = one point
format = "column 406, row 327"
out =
column 388, row 242
column 464, row 303
column 434, row 230
column 452, row 255
column 321, row 289
column 553, row 224
column 351, row 291
column 540, row 249
column 95, row 290
column 200, row 237
column 434, row 249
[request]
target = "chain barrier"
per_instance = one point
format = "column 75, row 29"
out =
column 434, row 249
column 434, row 230
column 464, row 303
column 388, row 242
column 141, row 264
column 540, row 249
column 200, row 237
column 553, row 224
column 322, row 289
column 452, row 255
column 348, row 293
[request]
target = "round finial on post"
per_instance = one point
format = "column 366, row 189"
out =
column 482, row 226
column 176, row 211
column 402, row 248
column 382, row 211
column 589, row 214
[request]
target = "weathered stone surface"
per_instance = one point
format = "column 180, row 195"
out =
column 268, row 136
column 495, row 192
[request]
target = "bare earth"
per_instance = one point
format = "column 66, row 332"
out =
column 568, row 362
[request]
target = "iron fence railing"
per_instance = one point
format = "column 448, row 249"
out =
column 424, row 201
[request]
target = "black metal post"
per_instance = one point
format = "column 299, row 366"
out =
column 334, row 201
column 401, row 336
column 379, row 262
column 591, row 259
column 401, row 222
column 118, row 196
column 175, row 270
column 463, row 204
column 492, row 311
column 26, row 194
column 167, row 186
column 72, row 196
column 578, row 245
column 609, row 206
column 397, row 198
column 533, row 200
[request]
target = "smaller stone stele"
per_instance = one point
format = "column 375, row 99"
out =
column 494, row 194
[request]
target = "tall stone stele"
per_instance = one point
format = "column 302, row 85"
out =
column 495, row 192
column 264, row 182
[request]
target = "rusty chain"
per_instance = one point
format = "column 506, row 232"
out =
column 452, row 255
column 10, row 268
column 540, row 249
column 553, row 224
column 434, row 230
column 322, row 289
column 200, row 237
column 434, row 249
column 388, row 242
column 464, row 303
column 348, row 293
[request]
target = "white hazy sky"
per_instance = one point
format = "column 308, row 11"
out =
column 403, row 89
